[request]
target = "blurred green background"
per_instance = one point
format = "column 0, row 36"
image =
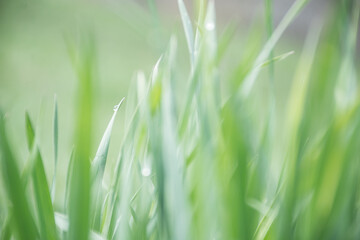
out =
column 129, row 36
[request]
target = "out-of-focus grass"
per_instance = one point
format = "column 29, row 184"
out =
column 236, row 152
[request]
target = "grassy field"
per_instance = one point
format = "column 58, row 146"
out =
column 215, row 143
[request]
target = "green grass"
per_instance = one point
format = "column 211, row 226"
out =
column 211, row 161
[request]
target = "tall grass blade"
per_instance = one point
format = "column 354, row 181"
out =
column 23, row 219
column 41, row 189
column 98, row 167
column 79, row 204
column 188, row 29
column 268, row 47
column 56, row 140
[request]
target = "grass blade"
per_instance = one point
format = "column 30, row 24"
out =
column 268, row 47
column 41, row 189
column 99, row 161
column 56, row 139
column 79, row 203
column 23, row 220
column 98, row 167
column 188, row 29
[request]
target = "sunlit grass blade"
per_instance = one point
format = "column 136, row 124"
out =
column 295, row 112
column 79, row 202
column 23, row 219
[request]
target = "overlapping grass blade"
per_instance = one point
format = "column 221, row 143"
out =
column 268, row 47
column 23, row 219
column 99, row 162
column 41, row 189
column 98, row 167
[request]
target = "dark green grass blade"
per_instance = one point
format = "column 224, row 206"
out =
column 30, row 132
column 23, row 220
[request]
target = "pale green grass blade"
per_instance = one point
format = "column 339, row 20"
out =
column 98, row 168
column 56, row 140
column 173, row 162
column 23, row 220
column 268, row 47
column 41, row 190
column 43, row 200
column 99, row 162
column 277, row 59
column 347, row 85
column 188, row 29
column 269, row 29
column 62, row 223
column 79, row 203
column 294, row 115
column 6, row 230
column 224, row 42
column 68, row 180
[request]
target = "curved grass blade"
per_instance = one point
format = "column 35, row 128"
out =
column 188, row 29
column 268, row 47
column 281, row 57
column 23, row 220
column 99, row 162
column 62, row 222
column 98, row 167
column 41, row 188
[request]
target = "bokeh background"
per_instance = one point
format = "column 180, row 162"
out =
column 128, row 36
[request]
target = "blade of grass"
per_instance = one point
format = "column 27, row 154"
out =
column 268, row 47
column 23, row 219
column 79, row 204
column 98, row 167
column 62, row 222
column 99, row 161
column 188, row 29
column 68, row 180
column 56, row 139
column 41, row 189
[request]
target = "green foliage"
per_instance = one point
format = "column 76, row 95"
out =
column 205, row 163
